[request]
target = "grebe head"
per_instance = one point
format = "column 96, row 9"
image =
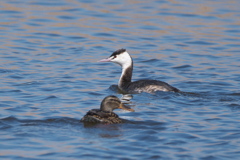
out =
column 120, row 57
column 110, row 103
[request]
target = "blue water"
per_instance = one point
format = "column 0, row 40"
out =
column 50, row 77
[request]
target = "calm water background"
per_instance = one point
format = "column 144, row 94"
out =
column 50, row 77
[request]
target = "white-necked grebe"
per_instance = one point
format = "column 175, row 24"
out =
column 122, row 58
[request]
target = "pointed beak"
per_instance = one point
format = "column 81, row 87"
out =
column 106, row 60
column 123, row 107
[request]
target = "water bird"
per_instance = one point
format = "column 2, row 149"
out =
column 125, row 84
column 105, row 114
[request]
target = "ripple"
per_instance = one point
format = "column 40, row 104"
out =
column 10, row 12
column 182, row 67
column 234, row 106
column 231, row 136
column 42, row 20
column 150, row 60
column 201, row 43
column 32, row 83
column 66, row 17
column 47, row 34
column 77, row 37
column 104, row 35
column 48, row 3
column 50, row 97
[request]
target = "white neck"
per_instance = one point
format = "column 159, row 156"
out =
column 127, row 67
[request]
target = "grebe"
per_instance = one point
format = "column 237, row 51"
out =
column 105, row 114
column 122, row 58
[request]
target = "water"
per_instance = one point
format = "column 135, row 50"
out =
column 50, row 77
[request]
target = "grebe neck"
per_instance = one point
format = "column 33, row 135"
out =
column 126, row 76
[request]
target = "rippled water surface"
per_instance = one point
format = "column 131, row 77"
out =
column 50, row 77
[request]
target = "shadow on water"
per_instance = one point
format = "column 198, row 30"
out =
column 118, row 130
column 103, row 130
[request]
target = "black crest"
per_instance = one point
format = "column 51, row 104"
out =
column 117, row 52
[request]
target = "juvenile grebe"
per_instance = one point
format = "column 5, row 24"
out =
column 122, row 58
column 105, row 114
